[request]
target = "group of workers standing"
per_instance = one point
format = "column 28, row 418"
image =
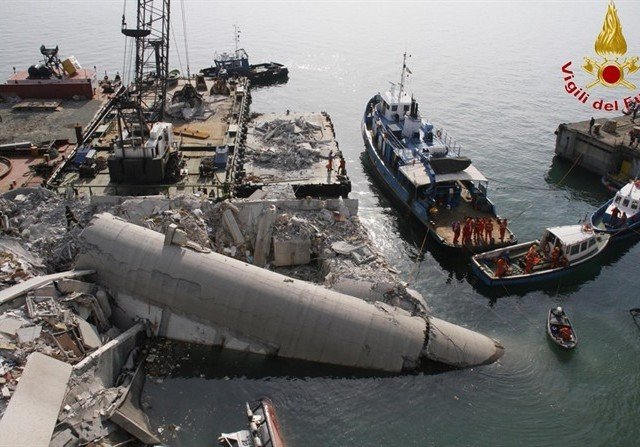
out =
column 477, row 231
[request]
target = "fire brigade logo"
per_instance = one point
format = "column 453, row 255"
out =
column 611, row 46
column 612, row 69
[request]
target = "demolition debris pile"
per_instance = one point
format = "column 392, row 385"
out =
column 44, row 331
column 66, row 320
column 290, row 144
column 35, row 232
column 322, row 241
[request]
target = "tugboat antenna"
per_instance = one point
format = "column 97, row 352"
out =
column 236, row 36
column 404, row 68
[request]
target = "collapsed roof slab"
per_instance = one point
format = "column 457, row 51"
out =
column 33, row 411
column 301, row 320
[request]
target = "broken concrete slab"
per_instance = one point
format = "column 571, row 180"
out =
column 64, row 438
column 342, row 247
column 13, row 292
column 9, row 325
column 31, row 415
column 258, row 194
column 89, row 334
column 362, row 254
column 130, row 417
column 109, row 358
column 291, row 252
column 29, row 334
column 68, row 285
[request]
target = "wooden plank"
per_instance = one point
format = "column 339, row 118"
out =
column 193, row 133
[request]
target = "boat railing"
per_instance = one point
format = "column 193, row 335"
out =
column 440, row 134
column 447, row 140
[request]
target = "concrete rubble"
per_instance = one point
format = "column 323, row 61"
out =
column 291, row 144
column 321, row 268
column 63, row 325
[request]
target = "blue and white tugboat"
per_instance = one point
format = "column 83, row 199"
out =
column 424, row 171
column 620, row 216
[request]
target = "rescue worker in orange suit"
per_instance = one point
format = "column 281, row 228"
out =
column 466, row 231
column 501, row 268
column 530, row 259
column 563, row 261
column 330, row 165
column 488, row 230
column 555, row 257
column 478, row 231
column 502, row 228
column 565, row 333
column 342, row 166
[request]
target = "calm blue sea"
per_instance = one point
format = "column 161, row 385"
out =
column 490, row 72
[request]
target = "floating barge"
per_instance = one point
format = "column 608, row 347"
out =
column 51, row 78
column 37, row 136
column 206, row 146
column 606, row 150
column 291, row 149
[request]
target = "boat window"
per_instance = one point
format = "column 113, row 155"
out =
column 575, row 249
column 583, row 247
column 617, row 200
column 592, row 241
column 394, row 108
column 634, row 205
column 625, row 202
column 406, row 108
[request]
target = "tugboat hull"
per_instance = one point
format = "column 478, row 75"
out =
column 402, row 196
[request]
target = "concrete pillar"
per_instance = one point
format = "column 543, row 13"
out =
column 262, row 247
column 229, row 221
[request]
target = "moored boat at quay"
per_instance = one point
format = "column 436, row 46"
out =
column 560, row 250
column 424, row 171
column 619, row 216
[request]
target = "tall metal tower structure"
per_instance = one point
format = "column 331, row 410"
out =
column 151, row 36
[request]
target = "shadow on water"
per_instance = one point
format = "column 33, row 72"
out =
column 194, row 360
column 264, row 85
column 563, row 355
column 566, row 285
column 411, row 230
column 581, row 183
